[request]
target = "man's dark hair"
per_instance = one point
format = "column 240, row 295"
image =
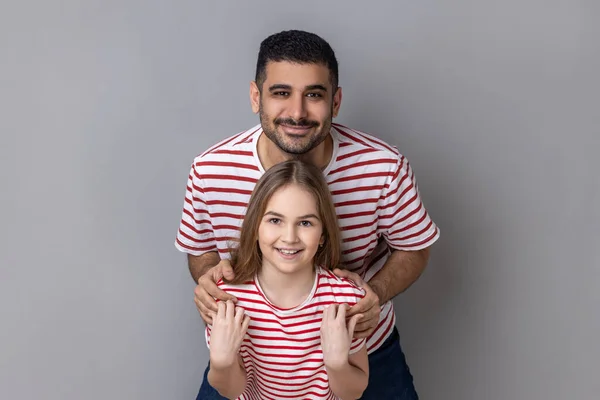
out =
column 298, row 47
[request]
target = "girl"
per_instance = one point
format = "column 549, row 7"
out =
column 287, row 337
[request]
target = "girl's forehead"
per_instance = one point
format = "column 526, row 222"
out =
column 292, row 197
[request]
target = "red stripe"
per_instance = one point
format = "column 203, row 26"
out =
column 226, row 203
column 227, row 190
column 310, row 348
column 363, row 176
column 357, row 226
column 386, row 332
column 228, row 215
column 369, row 138
column 356, row 189
column 354, row 202
column 207, row 249
column 355, row 153
column 192, row 239
column 399, row 221
column 355, row 238
column 346, row 134
column 248, row 138
column 242, row 153
column 316, row 378
column 410, row 226
column 397, row 211
column 373, row 261
column 355, row 249
column 422, row 242
column 365, row 163
column 235, row 178
column 356, row 215
column 193, row 228
column 226, row 164
column 197, row 210
column 196, row 221
column 227, row 141
column 222, row 143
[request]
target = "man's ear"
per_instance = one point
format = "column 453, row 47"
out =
column 337, row 101
column 254, row 97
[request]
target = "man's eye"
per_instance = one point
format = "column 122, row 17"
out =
column 280, row 93
column 314, row 95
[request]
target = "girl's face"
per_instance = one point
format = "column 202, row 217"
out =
column 290, row 231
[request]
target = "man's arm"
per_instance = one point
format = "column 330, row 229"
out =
column 399, row 272
column 199, row 265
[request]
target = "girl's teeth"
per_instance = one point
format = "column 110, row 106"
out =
column 288, row 251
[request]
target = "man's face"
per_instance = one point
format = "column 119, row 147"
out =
column 296, row 105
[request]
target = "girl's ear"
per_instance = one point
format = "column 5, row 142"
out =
column 322, row 241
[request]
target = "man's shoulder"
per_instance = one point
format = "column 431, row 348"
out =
column 355, row 140
column 236, row 146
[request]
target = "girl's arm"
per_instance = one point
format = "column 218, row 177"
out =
column 230, row 381
column 227, row 373
column 348, row 381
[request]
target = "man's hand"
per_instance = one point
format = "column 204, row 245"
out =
column 207, row 290
column 368, row 306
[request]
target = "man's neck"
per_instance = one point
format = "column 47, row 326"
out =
column 270, row 154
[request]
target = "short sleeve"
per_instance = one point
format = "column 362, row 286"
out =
column 403, row 219
column 195, row 235
column 357, row 294
column 356, row 345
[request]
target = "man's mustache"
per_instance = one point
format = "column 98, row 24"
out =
column 303, row 123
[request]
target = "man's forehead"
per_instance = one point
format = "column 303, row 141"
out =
column 286, row 72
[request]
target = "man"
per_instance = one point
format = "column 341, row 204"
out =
column 386, row 230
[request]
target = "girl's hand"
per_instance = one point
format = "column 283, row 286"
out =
column 229, row 327
column 336, row 335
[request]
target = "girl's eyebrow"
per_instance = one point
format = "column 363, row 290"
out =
column 307, row 216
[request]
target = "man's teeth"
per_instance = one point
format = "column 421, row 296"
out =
column 288, row 251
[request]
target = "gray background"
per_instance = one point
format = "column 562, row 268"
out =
column 105, row 104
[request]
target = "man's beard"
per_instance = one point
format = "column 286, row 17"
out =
column 270, row 129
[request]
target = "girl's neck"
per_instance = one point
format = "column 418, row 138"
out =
column 286, row 290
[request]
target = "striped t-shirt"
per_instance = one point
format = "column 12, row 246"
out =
column 373, row 187
column 281, row 351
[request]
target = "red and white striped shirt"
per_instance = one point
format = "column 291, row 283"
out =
column 373, row 188
column 282, row 351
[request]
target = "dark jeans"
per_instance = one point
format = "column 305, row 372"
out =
column 389, row 376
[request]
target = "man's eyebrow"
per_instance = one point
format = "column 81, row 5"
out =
column 282, row 86
column 316, row 87
column 279, row 86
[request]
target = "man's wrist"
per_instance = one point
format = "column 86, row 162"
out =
column 379, row 289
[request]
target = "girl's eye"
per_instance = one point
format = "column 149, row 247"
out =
column 274, row 220
column 305, row 223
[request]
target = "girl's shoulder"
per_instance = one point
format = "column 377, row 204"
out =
column 238, row 289
column 330, row 282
